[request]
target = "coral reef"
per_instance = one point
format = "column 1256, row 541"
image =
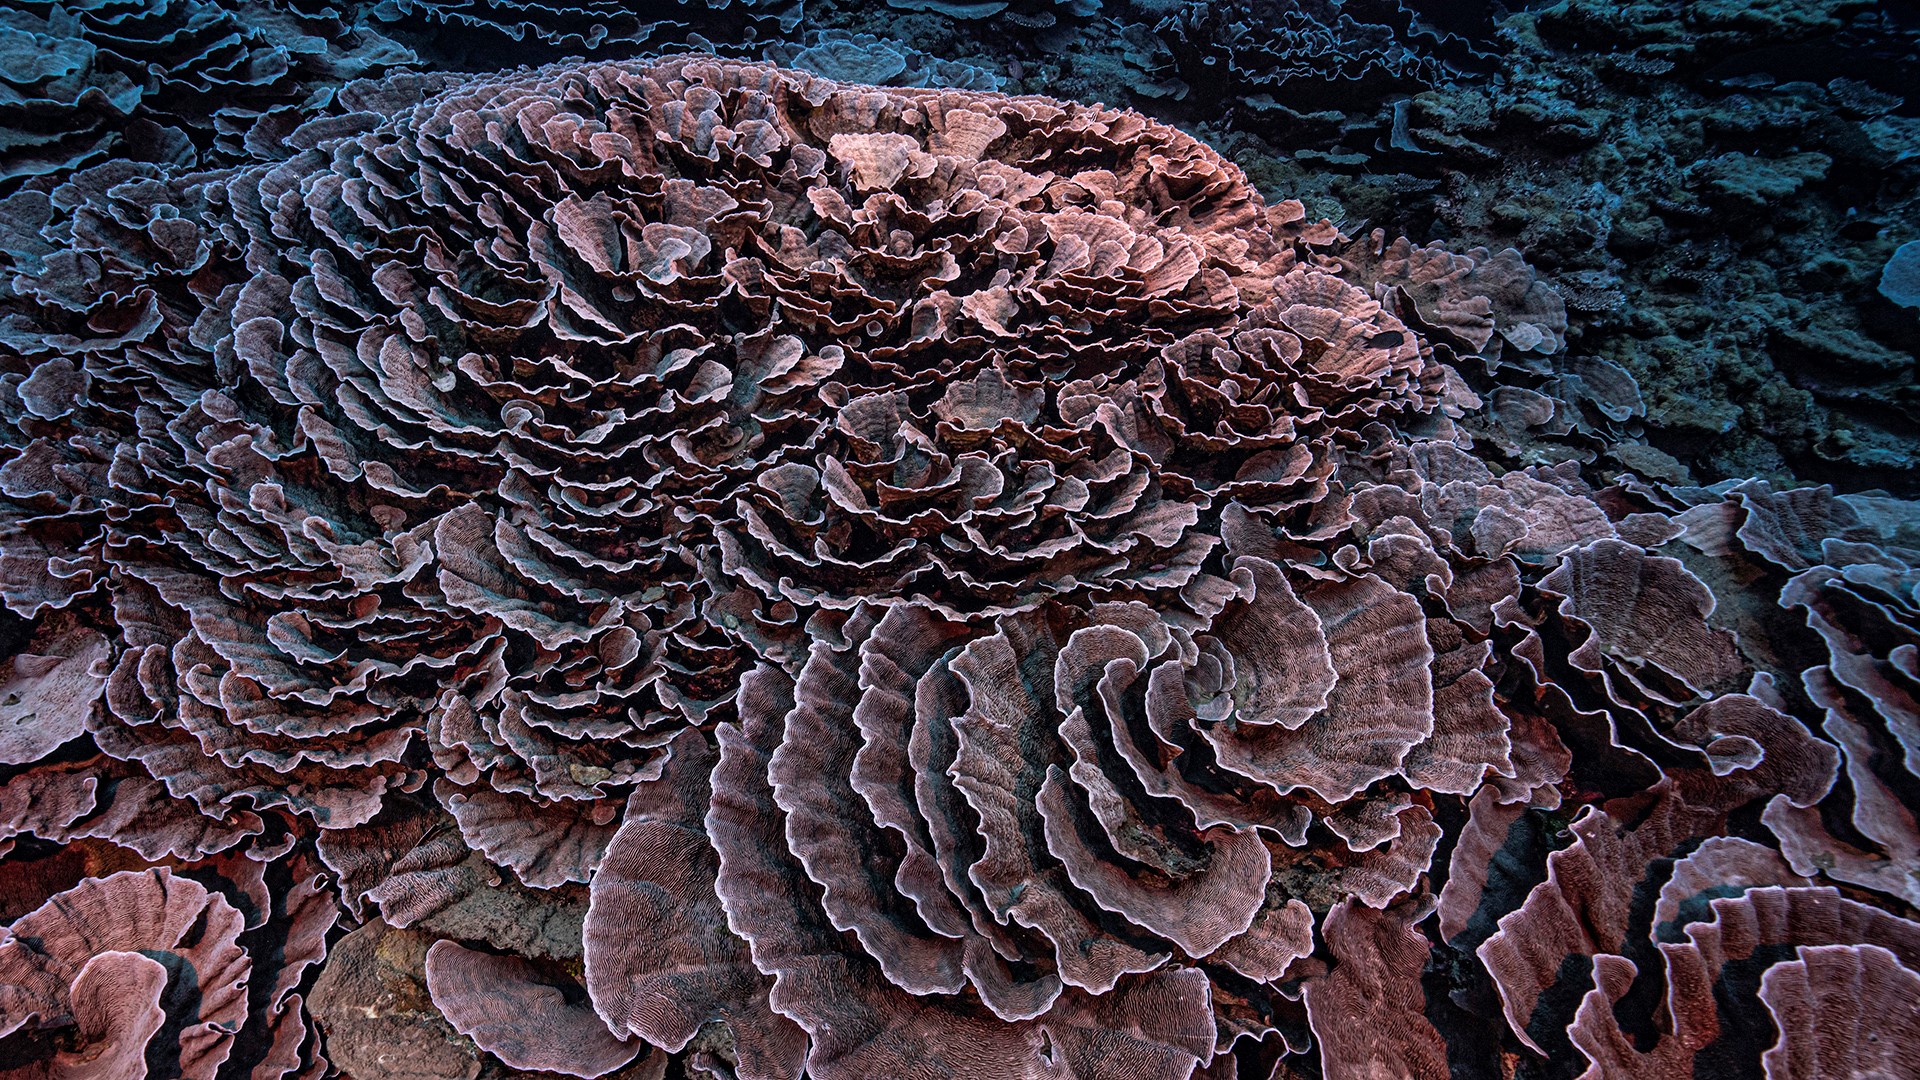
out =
column 1716, row 229
column 1650, row 158
column 692, row 567
column 1286, row 56
column 1712, row 186
column 180, row 83
column 490, row 34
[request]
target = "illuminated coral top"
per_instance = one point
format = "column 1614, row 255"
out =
column 873, row 581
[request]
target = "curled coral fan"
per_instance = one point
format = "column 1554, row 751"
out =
column 870, row 582
column 183, row 83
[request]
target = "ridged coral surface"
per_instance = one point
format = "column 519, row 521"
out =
column 692, row 568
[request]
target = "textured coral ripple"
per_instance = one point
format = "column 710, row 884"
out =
column 689, row 558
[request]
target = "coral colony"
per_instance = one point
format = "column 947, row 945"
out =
column 741, row 542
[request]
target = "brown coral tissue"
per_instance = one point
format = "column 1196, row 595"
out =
column 691, row 569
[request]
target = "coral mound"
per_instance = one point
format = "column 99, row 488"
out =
column 692, row 565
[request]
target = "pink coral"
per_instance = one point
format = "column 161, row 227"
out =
column 700, row 561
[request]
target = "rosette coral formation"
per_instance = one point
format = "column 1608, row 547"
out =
column 691, row 568
column 190, row 82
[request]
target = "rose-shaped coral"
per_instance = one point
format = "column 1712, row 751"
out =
column 701, row 560
column 494, row 444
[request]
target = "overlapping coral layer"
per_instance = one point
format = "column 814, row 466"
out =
column 696, row 569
